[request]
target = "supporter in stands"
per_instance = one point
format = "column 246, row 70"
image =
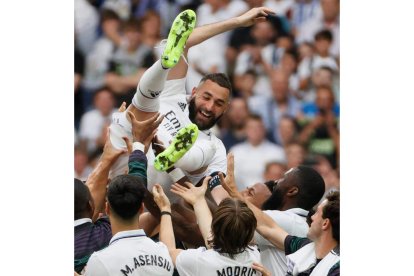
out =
column 98, row 59
column 94, row 123
column 320, row 132
column 295, row 154
column 281, row 103
column 252, row 155
column 274, row 170
column 128, row 63
column 236, row 116
column 329, row 19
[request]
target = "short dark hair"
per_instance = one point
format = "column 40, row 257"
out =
column 311, row 187
column 324, row 34
column 255, row 117
column 82, row 198
column 108, row 14
column 293, row 53
column 219, row 78
column 125, row 195
column 102, row 89
column 132, row 24
column 232, row 227
column 292, row 119
column 331, row 212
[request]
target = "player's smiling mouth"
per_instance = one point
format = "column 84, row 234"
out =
column 205, row 114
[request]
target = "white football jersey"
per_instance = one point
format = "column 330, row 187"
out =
column 131, row 253
column 174, row 105
column 292, row 221
column 205, row 262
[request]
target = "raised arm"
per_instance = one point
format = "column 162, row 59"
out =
column 98, row 179
column 195, row 196
column 247, row 19
column 205, row 32
column 265, row 224
column 166, row 228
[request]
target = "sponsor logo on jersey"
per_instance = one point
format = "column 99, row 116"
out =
column 172, row 125
column 182, row 105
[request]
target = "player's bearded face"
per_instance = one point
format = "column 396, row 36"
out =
column 198, row 116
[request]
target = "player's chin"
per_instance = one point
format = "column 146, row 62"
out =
column 204, row 123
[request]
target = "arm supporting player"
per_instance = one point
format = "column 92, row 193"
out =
column 265, row 224
column 166, row 228
column 195, row 196
column 98, row 179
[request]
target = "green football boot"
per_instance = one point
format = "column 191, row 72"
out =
column 182, row 142
column 181, row 29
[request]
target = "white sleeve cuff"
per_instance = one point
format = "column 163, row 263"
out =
column 138, row 146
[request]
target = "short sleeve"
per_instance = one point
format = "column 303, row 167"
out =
column 293, row 244
column 186, row 262
column 260, row 241
column 95, row 267
column 219, row 161
column 277, row 216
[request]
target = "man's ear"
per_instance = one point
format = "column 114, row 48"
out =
column 141, row 209
column 293, row 191
column 91, row 207
column 107, row 208
column 194, row 91
column 326, row 224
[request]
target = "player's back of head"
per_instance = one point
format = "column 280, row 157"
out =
column 331, row 211
column 311, row 187
column 233, row 227
column 82, row 198
column 125, row 195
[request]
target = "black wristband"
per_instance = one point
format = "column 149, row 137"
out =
column 214, row 181
column 165, row 213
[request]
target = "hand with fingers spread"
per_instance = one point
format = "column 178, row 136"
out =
column 253, row 16
column 262, row 269
column 144, row 131
column 161, row 199
column 228, row 182
column 111, row 154
column 192, row 194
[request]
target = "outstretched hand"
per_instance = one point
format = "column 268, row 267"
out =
column 192, row 194
column 160, row 198
column 254, row 16
column 228, row 182
column 144, row 131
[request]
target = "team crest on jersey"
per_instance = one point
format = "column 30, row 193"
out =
column 182, row 105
